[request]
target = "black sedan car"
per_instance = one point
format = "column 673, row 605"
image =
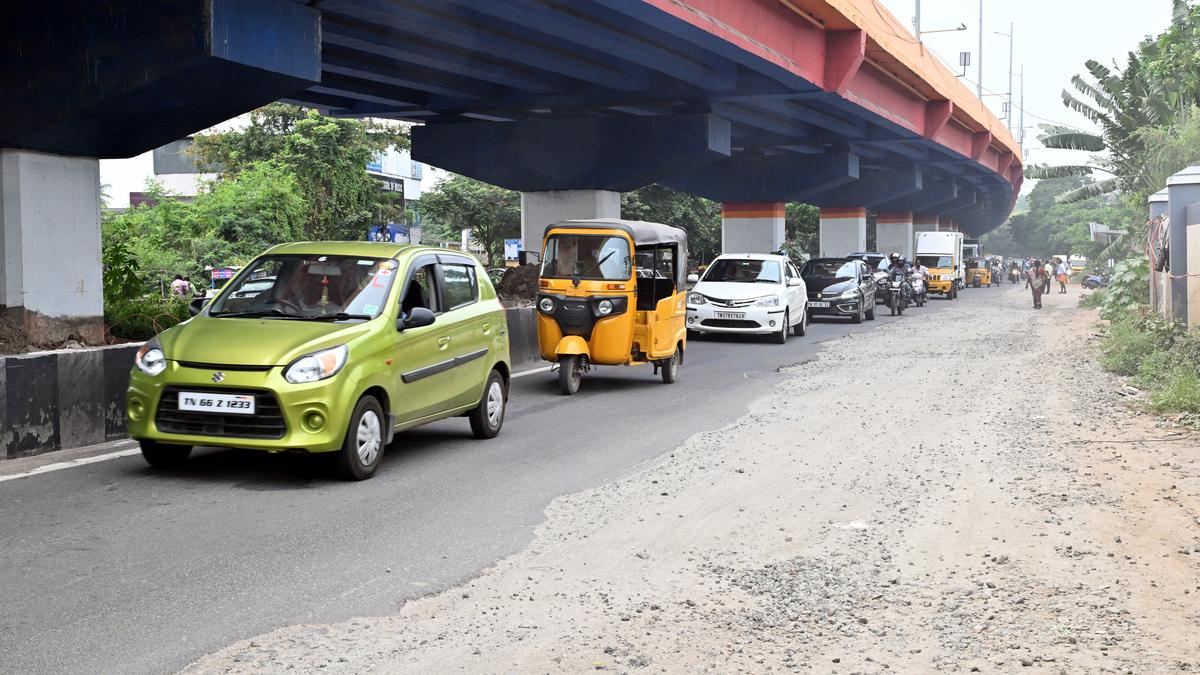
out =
column 840, row 287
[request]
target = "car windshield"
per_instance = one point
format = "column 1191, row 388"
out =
column 734, row 270
column 837, row 269
column 308, row 287
column 938, row 261
column 587, row 256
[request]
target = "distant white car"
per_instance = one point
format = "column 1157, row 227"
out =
column 749, row 293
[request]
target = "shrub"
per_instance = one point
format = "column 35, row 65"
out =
column 143, row 318
column 1178, row 391
column 1125, row 347
column 1130, row 288
column 1093, row 300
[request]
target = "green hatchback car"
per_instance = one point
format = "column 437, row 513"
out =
column 326, row 347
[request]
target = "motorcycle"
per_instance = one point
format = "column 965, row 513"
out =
column 1014, row 275
column 881, row 287
column 920, row 291
column 1094, row 281
column 899, row 293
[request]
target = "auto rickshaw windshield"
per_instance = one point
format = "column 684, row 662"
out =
column 587, row 256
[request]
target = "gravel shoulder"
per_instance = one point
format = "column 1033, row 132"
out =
column 998, row 508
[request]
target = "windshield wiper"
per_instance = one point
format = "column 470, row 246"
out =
column 337, row 316
column 257, row 313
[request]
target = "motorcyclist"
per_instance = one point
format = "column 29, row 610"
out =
column 899, row 269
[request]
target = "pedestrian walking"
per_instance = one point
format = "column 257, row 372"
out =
column 1064, row 273
column 180, row 287
column 1048, row 273
column 1035, row 280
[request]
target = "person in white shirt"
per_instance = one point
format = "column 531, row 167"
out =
column 1064, row 273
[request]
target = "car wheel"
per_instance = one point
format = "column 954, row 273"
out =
column 163, row 455
column 669, row 368
column 362, row 448
column 488, row 416
column 801, row 329
column 782, row 336
column 570, row 374
column 870, row 312
column 858, row 316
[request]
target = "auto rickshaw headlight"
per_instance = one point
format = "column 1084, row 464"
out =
column 316, row 366
column 546, row 305
column 604, row 307
column 150, row 358
column 696, row 299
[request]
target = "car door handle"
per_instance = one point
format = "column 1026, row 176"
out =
column 487, row 328
column 443, row 342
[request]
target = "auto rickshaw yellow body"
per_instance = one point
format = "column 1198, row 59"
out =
column 611, row 293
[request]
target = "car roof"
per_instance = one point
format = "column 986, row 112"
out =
column 751, row 256
column 366, row 249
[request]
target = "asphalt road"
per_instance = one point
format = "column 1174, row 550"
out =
column 117, row 567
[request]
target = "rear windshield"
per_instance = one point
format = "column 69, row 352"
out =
column 941, row 261
column 587, row 256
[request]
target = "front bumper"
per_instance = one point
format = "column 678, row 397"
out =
column 836, row 306
column 287, row 416
column 939, row 286
column 753, row 319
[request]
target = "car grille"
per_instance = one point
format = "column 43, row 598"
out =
column 266, row 422
column 730, row 303
column 729, row 323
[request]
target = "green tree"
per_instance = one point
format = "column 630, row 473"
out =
column 1173, row 56
column 492, row 214
column 253, row 209
column 699, row 217
column 802, row 224
column 326, row 155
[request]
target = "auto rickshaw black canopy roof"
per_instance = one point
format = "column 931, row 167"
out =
column 643, row 234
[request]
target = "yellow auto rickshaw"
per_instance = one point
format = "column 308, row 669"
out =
column 611, row 293
column 978, row 273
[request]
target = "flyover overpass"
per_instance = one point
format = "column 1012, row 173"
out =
column 752, row 103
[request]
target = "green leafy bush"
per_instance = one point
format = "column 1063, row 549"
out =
column 1093, row 300
column 1130, row 287
column 143, row 318
column 1161, row 356
column 1178, row 391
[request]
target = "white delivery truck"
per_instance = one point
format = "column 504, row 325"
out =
column 942, row 253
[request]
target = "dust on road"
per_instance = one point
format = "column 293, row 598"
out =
column 951, row 492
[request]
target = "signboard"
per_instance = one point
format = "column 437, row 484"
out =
column 223, row 273
column 512, row 249
column 393, row 232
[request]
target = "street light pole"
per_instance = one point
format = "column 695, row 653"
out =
column 1022, row 128
column 979, row 83
column 917, row 21
column 1011, row 39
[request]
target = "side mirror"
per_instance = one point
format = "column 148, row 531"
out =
column 693, row 278
column 794, row 281
column 418, row 318
column 196, row 306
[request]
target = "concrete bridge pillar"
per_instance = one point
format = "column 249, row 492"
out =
column 752, row 227
column 843, row 231
column 924, row 223
column 894, row 233
column 540, row 209
column 50, row 274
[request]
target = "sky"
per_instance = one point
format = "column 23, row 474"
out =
column 1053, row 38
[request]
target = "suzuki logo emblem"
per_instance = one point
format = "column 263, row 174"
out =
column 218, row 376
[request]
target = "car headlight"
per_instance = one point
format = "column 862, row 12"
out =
column 317, row 366
column 546, row 305
column 696, row 299
column 604, row 307
column 848, row 295
column 769, row 301
column 150, row 358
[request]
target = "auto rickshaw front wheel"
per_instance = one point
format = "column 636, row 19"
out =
column 570, row 373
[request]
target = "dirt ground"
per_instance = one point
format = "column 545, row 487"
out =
column 956, row 492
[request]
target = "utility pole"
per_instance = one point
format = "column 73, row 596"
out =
column 1011, row 39
column 1021, row 130
column 979, row 83
column 917, row 21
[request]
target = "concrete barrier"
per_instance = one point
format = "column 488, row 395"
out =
column 75, row 397
column 63, row 399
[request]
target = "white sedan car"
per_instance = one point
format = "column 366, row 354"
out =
column 749, row 293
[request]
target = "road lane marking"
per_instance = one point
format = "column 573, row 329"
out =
column 523, row 373
column 59, row 466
